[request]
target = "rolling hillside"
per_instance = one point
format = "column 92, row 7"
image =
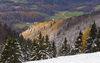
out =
column 51, row 28
column 30, row 11
column 57, row 30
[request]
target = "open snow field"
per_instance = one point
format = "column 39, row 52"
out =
column 81, row 58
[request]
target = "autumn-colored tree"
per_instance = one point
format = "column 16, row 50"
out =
column 84, row 37
column 90, row 39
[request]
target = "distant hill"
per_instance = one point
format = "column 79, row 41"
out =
column 60, row 2
column 15, row 12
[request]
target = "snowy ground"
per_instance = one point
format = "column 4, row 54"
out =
column 82, row 58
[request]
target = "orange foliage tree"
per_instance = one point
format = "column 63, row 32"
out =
column 84, row 37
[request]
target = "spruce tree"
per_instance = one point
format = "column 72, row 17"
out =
column 78, row 42
column 44, row 48
column 5, row 27
column 64, row 49
column 47, row 39
column 6, row 37
column 48, row 47
column 40, row 43
column 39, row 38
column 34, row 51
column 37, row 48
column 54, row 51
column 41, row 48
column 97, row 42
column 42, row 53
column 11, row 52
column 88, row 46
column 90, row 39
column 93, row 31
column 27, row 50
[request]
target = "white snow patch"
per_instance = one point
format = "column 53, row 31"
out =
column 81, row 58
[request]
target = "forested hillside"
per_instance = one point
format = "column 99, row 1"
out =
column 58, row 30
column 71, row 36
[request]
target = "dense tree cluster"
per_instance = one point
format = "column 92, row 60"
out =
column 16, row 49
column 16, row 17
column 42, row 48
column 91, row 43
column 65, row 49
column 11, row 52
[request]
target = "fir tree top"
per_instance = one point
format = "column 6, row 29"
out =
column 93, row 31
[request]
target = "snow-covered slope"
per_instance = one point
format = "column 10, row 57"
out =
column 82, row 58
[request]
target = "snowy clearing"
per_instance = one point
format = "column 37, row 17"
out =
column 82, row 58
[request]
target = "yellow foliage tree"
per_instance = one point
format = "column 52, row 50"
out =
column 85, row 35
column 73, row 18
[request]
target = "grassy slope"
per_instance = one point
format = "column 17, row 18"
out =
column 22, row 25
column 81, row 7
column 97, row 7
column 20, row 1
column 66, row 14
column 58, row 15
column 75, row 13
column 34, row 7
